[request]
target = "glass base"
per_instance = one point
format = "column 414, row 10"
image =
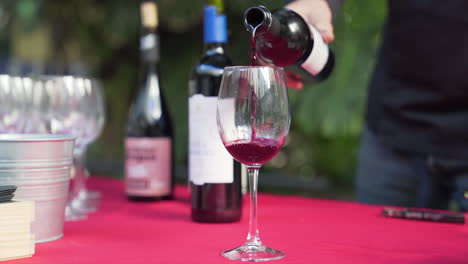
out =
column 253, row 253
column 89, row 195
column 84, row 206
column 71, row 214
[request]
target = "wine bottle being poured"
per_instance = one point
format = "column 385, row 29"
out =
column 283, row 38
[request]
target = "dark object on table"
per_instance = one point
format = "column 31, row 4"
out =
column 6, row 198
column 424, row 215
column 7, row 193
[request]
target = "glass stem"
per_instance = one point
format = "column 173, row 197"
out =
column 253, row 238
column 80, row 177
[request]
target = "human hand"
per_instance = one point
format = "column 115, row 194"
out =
column 317, row 13
column 293, row 80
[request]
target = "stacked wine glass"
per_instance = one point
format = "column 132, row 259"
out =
column 70, row 105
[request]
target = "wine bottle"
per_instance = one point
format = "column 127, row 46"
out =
column 283, row 38
column 149, row 136
column 214, row 176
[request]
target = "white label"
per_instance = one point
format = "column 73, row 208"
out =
column 209, row 161
column 319, row 56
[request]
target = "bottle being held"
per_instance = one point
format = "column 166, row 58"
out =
column 215, row 178
column 149, row 137
column 283, row 38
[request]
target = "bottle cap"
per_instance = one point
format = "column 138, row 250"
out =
column 214, row 26
column 149, row 14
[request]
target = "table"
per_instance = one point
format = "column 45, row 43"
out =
column 308, row 230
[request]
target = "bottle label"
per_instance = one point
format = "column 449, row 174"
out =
column 209, row 161
column 148, row 166
column 318, row 56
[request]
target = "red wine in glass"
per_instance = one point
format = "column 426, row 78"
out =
column 255, row 152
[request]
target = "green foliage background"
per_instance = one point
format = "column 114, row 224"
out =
column 103, row 35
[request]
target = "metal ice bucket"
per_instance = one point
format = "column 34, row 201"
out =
column 39, row 165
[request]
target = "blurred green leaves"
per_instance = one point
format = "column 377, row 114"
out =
column 27, row 11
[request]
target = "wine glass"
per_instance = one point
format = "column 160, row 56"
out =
column 44, row 101
column 53, row 108
column 253, row 121
column 95, row 119
column 84, row 122
column 12, row 105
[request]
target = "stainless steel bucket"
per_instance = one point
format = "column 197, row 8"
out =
column 39, row 164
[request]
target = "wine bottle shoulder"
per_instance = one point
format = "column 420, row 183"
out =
column 139, row 126
column 206, row 76
column 219, row 60
column 211, row 65
column 148, row 114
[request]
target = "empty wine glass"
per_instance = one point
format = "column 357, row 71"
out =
column 52, row 108
column 253, row 121
column 12, row 105
column 59, row 105
column 44, row 102
column 95, row 119
column 84, row 122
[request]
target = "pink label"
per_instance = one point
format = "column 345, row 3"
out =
column 148, row 166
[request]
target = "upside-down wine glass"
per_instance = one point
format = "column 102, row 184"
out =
column 12, row 107
column 62, row 99
column 253, row 122
column 84, row 122
column 95, row 104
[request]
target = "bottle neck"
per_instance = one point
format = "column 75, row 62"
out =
column 259, row 20
column 149, row 46
column 150, row 100
column 149, row 53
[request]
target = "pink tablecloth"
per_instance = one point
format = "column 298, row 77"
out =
column 308, row 230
